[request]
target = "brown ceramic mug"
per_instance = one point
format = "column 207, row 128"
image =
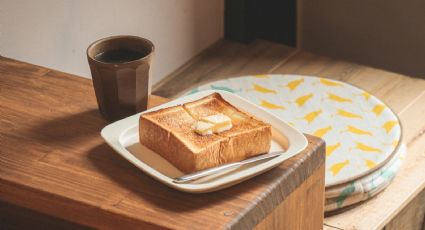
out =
column 120, row 72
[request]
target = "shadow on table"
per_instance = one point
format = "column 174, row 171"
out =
column 69, row 129
column 145, row 191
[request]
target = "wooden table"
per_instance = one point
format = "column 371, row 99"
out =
column 402, row 204
column 56, row 171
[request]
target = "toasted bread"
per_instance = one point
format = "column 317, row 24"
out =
column 169, row 132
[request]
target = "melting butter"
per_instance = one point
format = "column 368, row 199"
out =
column 212, row 124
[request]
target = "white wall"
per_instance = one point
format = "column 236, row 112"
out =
column 387, row 34
column 56, row 33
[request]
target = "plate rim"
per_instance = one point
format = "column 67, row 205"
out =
column 113, row 132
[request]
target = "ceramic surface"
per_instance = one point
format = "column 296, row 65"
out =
column 361, row 132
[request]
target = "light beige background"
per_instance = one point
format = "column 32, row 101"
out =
column 56, row 33
column 388, row 34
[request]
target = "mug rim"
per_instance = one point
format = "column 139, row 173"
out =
column 152, row 49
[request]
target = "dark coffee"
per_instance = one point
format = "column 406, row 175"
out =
column 119, row 56
column 120, row 72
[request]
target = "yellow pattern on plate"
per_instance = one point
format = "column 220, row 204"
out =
column 329, row 82
column 366, row 95
column 337, row 98
column 344, row 113
column 261, row 76
column 294, row 84
column 303, row 99
column 322, row 132
column 395, row 143
column 270, row 105
column 309, row 117
column 263, row 89
column 367, row 148
column 389, row 125
column 355, row 130
column 335, row 168
column 378, row 109
column 369, row 163
column 331, row 148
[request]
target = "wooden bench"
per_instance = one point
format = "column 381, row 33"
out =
column 402, row 204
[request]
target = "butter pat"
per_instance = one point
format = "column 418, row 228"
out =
column 213, row 124
column 203, row 128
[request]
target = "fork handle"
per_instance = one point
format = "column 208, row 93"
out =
column 206, row 172
column 211, row 171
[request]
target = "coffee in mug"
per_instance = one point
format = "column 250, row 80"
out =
column 120, row 67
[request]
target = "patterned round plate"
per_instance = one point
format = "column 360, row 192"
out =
column 360, row 131
column 344, row 195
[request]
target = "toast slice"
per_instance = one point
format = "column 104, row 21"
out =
column 170, row 133
column 248, row 136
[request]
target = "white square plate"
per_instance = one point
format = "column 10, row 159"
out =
column 123, row 137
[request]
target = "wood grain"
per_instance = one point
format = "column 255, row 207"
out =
column 412, row 217
column 54, row 161
column 310, row 211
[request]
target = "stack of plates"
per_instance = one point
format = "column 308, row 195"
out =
column 363, row 135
